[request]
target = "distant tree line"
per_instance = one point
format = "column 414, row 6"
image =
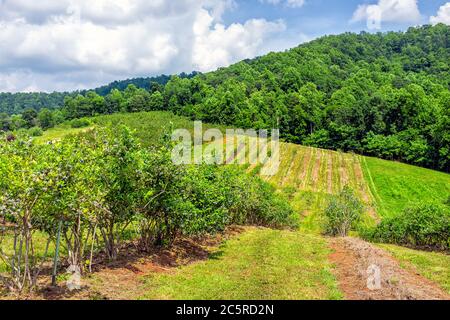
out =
column 385, row 95
column 16, row 103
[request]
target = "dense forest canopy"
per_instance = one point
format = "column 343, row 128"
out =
column 384, row 94
column 16, row 103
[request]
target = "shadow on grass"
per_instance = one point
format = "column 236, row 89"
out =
column 183, row 251
column 217, row 255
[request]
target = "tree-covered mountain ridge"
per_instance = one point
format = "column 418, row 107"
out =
column 16, row 103
column 385, row 95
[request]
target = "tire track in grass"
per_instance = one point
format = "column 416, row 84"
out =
column 307, row 180
column 315, row 171
column 330, row 173
column 323, row 179
column 364, row 189
column 304, row 168
column 372, row 187
column 362, row 184
column 353, row 257
column 293, row 153
column 298, row 161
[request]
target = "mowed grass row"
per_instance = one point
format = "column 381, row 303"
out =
column 398, row 185
column 310, row 176
column 318, row 170
column 259, row 264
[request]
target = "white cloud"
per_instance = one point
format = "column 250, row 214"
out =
column 216, row 46
column 443, row 15
column 67, row 44
column 397, row 11
column 288, row 3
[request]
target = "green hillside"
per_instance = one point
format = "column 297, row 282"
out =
column 309, row 175
column 397, row 185
column 102, row 172
column 258, row 260
column 384, row 95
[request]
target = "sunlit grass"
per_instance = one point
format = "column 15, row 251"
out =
column 397, row 185
column 258, row 264
column 432, row 265
column 59, row 132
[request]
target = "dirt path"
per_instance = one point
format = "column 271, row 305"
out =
column 357, row 260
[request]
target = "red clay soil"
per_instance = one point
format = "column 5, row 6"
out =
column 353, row 257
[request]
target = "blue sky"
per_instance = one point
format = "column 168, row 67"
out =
column 50, row 45
column 319, row 17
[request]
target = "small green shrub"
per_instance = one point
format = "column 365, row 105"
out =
column 447, row 202
column 418, row 225
column 80, row 123
column 342, row 213
column 35, row 132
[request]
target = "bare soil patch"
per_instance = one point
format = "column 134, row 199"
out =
column 353, row 257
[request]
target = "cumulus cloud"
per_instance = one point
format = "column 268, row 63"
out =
column 288, row 3
column 69, row 44
column 387, row 11
column 215, row 45
column 443, row 15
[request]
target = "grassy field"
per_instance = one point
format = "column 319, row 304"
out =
column 59, row 132
column 149, row 126
column 310, row 176
column 396, row 185
column 432, row 265
column 273, row 264
column 258, row 264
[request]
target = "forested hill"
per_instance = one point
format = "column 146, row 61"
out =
column 141, row 83
column 385, row 95
column 16, row 103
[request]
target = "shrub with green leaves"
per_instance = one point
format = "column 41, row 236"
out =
column 193, row 200
column 426, row 224
column 343, row 212
column 98, row 183
column 35, row 132
column 80, row 123
column 216, row 196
